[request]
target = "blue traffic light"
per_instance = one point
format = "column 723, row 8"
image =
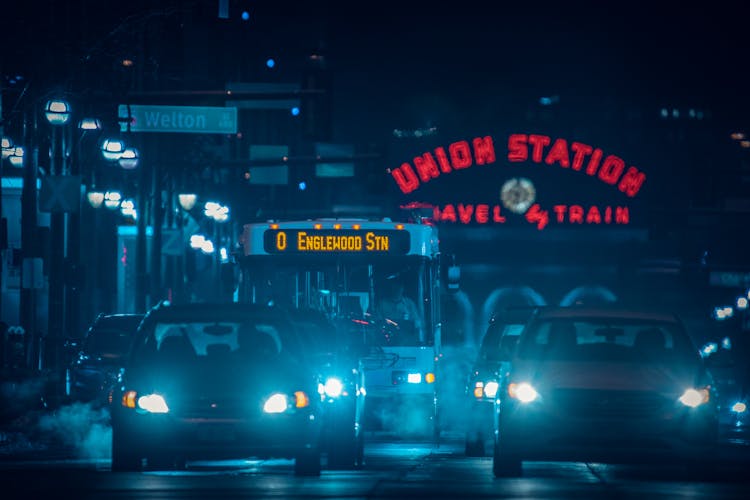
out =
column 295, row 111
column 245, row 15
column 270, row 62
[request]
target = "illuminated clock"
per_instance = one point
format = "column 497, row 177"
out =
column 518, row 194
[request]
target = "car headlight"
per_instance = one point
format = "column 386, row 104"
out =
column 276, row 403
column 333, row 387
column 694, row 397
column 524, row 392
column 153, row 403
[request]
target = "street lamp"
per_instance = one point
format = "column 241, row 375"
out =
column 7, row 147
column 16, row 159
column 129, row 158
column 187, row 200
column 57, row 112
column 112, row 149
column 90, row 124
column 112, row 199
column 95, row 198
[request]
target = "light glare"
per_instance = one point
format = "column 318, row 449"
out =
column 277, row 403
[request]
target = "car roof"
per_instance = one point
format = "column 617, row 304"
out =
column 211, row 311
column 105, row 320
column 610, row 311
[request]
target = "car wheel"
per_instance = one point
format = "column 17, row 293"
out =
column 307, row 462
column 160, row 461
column 125, row 458
column 505, row 464
column 474, row 446
column 342, row 452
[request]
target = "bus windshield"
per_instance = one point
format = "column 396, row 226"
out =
column 379, row 277
column 387, row 301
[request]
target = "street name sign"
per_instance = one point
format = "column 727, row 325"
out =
column 180, row 119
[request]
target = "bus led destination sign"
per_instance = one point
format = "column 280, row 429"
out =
column 336, row 241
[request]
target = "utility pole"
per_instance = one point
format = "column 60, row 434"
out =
column 29, row 245
column 3, row 224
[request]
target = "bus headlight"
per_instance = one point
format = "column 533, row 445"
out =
column 333, row 387
column 490, row 389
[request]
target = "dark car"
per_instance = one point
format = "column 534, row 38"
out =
column 95, row 367
column 335, row 353
column 728, row 360
column 607, row 385
column 487, row 373
column 216, row 381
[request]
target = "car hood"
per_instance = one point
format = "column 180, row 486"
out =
column 607, row 376
column 222, row 380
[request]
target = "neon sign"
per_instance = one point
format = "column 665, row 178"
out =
column 304, row 241
column 518, row 197
column 534, row 148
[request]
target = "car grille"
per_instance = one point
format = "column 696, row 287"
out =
column 589, row 403
column 217, row 407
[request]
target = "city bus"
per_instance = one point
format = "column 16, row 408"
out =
column 345, row 268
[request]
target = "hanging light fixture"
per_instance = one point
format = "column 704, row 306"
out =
column 187, row 200
column 129, row 158
column 57, row 112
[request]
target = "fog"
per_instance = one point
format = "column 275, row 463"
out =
column 80, row 427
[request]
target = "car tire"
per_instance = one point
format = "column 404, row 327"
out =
column 505, row 464
column 125, row 457
column 342, row 452
column 160, row 461
column 307, row 462
column 474, row 446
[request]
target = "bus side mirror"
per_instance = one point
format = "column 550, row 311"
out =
column 454, row 277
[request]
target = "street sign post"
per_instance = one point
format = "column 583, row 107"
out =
column 179, row 119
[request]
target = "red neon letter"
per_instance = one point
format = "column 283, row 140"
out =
column 558, row 153
column 576, row 214
column 593, row 165
column 426, row 167
column 465, row 212
column 622, row 215
column 442, row 159
column 482, row 213
column 484, row 151
column 632, row 181
column 460, row 154
column 517, row 148
column 580, row 151
column 538, row 142
column 560, row 212
column 536, row 214
column 449, row 214
column 611, row 169
column 593, row 217
column 608, row 215
column 405, row 178
column 497, row 217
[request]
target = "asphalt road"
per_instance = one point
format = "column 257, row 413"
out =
column 394, row 469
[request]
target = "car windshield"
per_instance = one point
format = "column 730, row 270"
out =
column 111, row 336
column 108, row 343
column 592, row 339
column 499, row 342
column 222, row 342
